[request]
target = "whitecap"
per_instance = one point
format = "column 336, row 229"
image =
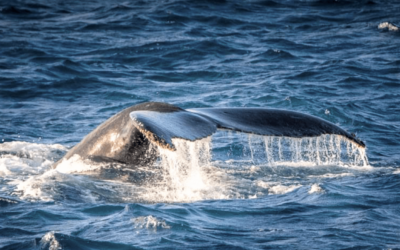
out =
column 49, row 241
column 388, row 26
column 149, row 222
column 315, row 188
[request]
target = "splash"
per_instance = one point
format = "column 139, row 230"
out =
column 190, row 173
column 232, row 166
column 186, row 174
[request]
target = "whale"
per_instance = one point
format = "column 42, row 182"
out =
column 132, row 136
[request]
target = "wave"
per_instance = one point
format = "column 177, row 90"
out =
column 316, row 189
column 6, row 202
column 15, row 10
column 53, row 240
column 273, row 55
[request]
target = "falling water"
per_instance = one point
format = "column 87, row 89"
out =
column 184, row 165
column 188, row 174
column 279, row 150
column 185, row 174
column 321, row 150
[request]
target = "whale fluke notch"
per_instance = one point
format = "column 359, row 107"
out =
column 127, row 137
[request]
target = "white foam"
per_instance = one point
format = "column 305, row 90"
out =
column 51, row 185
column 21, row 159
column 75, row 164
column 389, row 26
column 31, row 189
column 32, row 150
column 149, row 222
column 315, row 188
column 281, row 189
column 49, row 241
column 26, row 168
column 332, row 175
column 276, row 188
column 21, row 162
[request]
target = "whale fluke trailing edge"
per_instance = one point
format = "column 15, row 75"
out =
column 127, row 136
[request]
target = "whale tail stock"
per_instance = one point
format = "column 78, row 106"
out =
column 127, row 136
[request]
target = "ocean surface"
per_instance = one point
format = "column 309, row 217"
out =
column 67, row 66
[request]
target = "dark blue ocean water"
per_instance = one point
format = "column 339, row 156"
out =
column 67, row 66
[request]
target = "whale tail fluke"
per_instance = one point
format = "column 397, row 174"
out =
column 194, row 124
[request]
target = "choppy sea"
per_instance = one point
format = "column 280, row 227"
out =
column 67, row 66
